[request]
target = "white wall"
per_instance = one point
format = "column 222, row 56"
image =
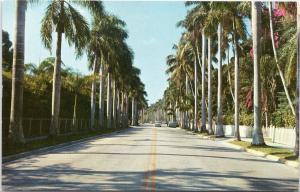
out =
column 286, row 136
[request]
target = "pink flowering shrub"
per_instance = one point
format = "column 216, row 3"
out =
column 251, row 53
column 276, row 39
column 279, row 12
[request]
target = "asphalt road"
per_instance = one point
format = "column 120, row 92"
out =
column 148, row 158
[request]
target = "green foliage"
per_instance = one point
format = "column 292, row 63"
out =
column 7, row 51
column 38, row 92
column 283, row 118
column 246, row 119
column 228, row 119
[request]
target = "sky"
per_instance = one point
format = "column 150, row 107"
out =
column 152, row 33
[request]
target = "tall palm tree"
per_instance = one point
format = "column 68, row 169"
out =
column 107, row 39
column 238, row 33
column 75, row 82
column 209, row 96
column 256, row 9
column 236, row 82
column 296, row 149
column 203, row 105
column 101, row 94
column 219, row 128
column 93, row 93
column 61, row 17
column 16, row 115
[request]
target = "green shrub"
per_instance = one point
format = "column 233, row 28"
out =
column 246, row 119
column 283, row 118
column 228, row 119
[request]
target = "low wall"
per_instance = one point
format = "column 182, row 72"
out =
column 282, row 135
column 245, row 131
column 285, row 136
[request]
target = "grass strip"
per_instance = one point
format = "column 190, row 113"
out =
column 37, row 144
column 270, row 150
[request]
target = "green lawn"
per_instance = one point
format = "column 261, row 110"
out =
column 280, row 152
column 15, row 149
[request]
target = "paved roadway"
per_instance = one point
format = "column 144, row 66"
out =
column 148, row 158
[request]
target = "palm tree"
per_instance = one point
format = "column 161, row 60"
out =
column 296, row 149
column 61, row 17
column 257, row 138
column 236, row 82
column 238, row 33
column 109, row 103
column 93, row 93
column 209, row 86
column 15, row 128
column 203, row 105
column 101, row 94
column 219, row 129
column 107, row 39
column 75, row 82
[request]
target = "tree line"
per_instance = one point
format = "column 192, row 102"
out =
column 113, row 91
column 256, row 86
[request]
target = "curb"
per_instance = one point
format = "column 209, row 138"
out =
column 39, row 151
column 199, row 135
column 274, row 158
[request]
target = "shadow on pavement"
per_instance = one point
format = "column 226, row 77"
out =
column 55, row 178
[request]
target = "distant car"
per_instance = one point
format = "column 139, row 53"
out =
column 173, row 124
column 157, row 124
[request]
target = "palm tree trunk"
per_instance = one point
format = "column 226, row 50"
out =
column 229, row 77
column 74, row 113
column 56, row 88
column 118, row 110
column 230, row 86
column 93, row 95
column 16, row 116
column 114, row 103
column 296, row 148
column 186, row 102
column 219, row 130
column 126, row 110
column 196, row 101
column 203, row 106
column 236, row 84
column 133, row 111
column 276, row 60
column 136, row 113
column 122, row 110
column 109, row 105
column 210, row 129
column 258, row 138
column 101, row 96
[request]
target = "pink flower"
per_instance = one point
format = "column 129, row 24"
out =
column 251, row 53
column 276, row 39
column 279, row 12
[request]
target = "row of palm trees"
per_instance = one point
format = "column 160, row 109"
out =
column 218, row 27
column 110, row 59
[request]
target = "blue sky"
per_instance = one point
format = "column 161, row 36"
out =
column 152, row 33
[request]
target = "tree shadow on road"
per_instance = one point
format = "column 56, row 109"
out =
column 64, row 177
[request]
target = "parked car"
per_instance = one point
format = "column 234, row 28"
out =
column 157, row 124
column 172, row 124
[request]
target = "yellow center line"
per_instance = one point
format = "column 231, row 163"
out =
column 151, row 165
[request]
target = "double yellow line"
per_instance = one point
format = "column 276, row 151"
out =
column 151, row 165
